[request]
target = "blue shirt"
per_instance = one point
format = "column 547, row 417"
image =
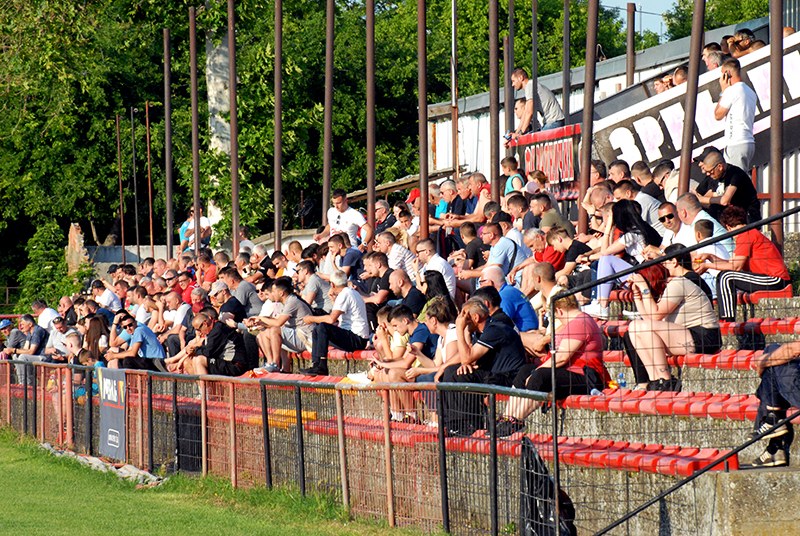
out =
column 502, row 254
column 518, row 309
column 471, row 204
column 423, row 336
column 150, row 347
column 441, row 208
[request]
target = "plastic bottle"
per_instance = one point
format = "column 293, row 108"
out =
column 595, row 392
column 621, row 383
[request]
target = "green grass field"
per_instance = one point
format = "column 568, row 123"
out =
column 43, row 494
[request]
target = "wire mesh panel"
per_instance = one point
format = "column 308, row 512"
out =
column 5, row 393
column 163, row 424
column 321, row 461
column 282, row 419
column 136, row 418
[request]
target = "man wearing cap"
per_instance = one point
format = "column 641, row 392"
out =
column 736, row 187
column 33, row 348
column 104, row 296
column 737, row 106
column 56, row 349
column 224, row 302
column 13, row 338
column 342, row 218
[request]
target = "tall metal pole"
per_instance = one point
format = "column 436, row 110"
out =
column 370, row 5
column 494, row 101
column 695, row 50
column 168, row 143
column 149, row 177
column 776, row 119
column 534, row 52
column 135, row 185
column 511, row 30
column 234, row 122
column 422, row 106
column 587, row 128
column 327, row 150
column 508, row 93
column 565, row 72
column 121, row 196
column 630, row 58
column 195, row 126
column 454, row 84
column 278, row 142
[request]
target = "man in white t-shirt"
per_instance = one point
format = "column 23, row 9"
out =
column 342, row 218
column 44, row 314
column 432, row 261
column 544, row 102
column 105, row 297
column 205, row 231
column 351, row 333
column 737, row 106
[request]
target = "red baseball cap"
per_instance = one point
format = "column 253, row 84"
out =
column 413, row 195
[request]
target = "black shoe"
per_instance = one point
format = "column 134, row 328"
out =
column 779, row 459
column 673, row 384
column 316, row 370
column 768, row 421
column 507, row 426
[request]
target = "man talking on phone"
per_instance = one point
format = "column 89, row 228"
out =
column 737, row 106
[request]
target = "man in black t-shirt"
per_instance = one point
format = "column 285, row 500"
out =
column 376, row 275
column 736, row 187
column 222, row 351
column 225, row 302
column 572, row 250
column 411, row 297
column 494, row 358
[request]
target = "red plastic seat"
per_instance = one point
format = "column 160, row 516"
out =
column 755, row 297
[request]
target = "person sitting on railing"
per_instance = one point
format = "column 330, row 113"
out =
column 677, row 318
column 780, row 375
column 756, row 264
column 636, row 236
column 420, row 351
column 494, row 359
column 578, row 360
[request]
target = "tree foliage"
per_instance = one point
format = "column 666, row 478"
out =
column 718, row 13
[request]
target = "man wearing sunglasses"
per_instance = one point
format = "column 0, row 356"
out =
column 144, row 351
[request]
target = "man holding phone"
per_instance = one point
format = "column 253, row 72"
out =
column 737, row 106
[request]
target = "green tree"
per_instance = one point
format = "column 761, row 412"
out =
column 718, row 13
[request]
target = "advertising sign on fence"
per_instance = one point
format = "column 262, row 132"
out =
column 112, row 412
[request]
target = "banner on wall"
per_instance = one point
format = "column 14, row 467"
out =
column 112, row 412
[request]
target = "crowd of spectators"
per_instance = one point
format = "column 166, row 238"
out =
column 471, row 303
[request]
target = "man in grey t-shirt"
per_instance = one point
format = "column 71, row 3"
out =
column 315, row 289
column 242, row 290
column 544, row 102
column 287, row 330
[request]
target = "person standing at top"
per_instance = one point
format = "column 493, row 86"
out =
column 544, row 103
column 342, row 218
column 737, row 106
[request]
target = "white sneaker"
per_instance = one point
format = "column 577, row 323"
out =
column 596, row 310
column 631, row 315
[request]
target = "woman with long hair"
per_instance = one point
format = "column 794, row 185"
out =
column 96, row 339
column 434, row 286
column 677, row 318
column 635, row 235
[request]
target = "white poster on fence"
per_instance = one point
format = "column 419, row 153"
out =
column 112, row 412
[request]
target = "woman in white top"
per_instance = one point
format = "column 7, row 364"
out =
column 626, row 216
column 681, row 320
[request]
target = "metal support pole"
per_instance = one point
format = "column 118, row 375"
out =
column 565, row 72
column 168, row 144
column 234, row 122
column 195, row 127
column 265, row 429
column 150, row 434
column 443, row 462
column 534, row 52
column 278, row 140
column 508, row 93
column 454, row 85
column 35, row 401
column 121, row 196
column 25, row 399
column 342, row 451
column 494, row 102
column 204, row 427
column 149, row 177
column 512, row 23
column 387, row 459
column 370, row 7
column 89, row 424
column 327, row 149
column 690, row 105
column 232, row 432
column 587, row 128
column 630, row 57
column 139, row 419
column 422, row 117
column 554, row 412
column 776, row 119
column 301, row 450
column 493, row 502
column 135, row 185
column 176, row 427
